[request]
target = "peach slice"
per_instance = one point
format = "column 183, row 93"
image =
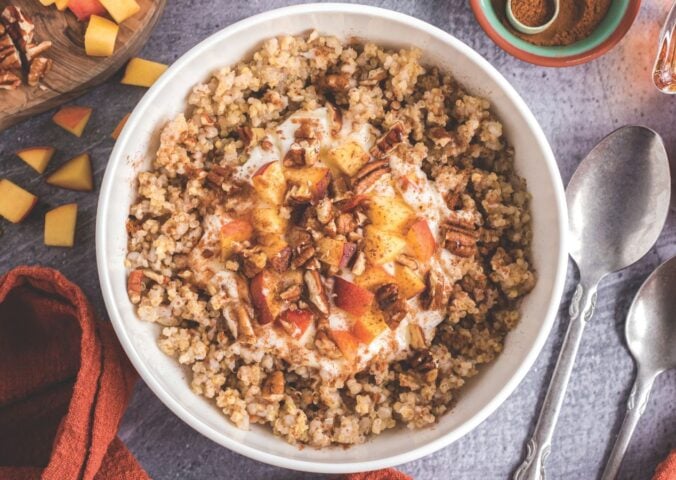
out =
column 347, row 343
column 296, row 322
column 36, row 157
column 420, row 240
column 263, row 296
column 381, row 247
column 60, row 226
column 351, row 298
column 409, row 282
column 142, row 73
column 75, row 174
column 47, row 3
column 334, row 252
column 83, row 9
column 367, row 327
column 121, row 10
column 233, row 232
column 269, row 183
column 100, row 37
column 15, row 202
column 73, row 118
column 61, row 5
column 315, row 179
column 119, row 127
column 389, row 213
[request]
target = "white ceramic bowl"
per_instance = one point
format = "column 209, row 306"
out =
column 534, row 161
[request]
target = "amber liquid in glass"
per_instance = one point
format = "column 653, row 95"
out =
column 664, row 72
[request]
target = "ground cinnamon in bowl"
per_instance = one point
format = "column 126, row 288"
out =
column 577, row 19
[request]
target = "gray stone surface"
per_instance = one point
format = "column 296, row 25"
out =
column 575, row 106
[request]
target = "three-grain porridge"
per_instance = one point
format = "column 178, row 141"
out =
column 333, row 238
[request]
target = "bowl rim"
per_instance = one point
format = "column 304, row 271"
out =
column 613, row 38
column 117, row 158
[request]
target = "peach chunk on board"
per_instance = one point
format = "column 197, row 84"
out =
column 83, row 9
column 15, row 202
column 36, row 157
column 60, row 226
column 352, row 298
column 75, row 174
column 73, row 118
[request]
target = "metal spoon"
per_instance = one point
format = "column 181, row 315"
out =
column 617, row 204
column 527, row 29
column 651, row 338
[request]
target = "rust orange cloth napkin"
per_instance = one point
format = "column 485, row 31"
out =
column 667, row 469
column 64, row 384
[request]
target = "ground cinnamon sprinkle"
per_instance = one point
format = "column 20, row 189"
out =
column 577, row 19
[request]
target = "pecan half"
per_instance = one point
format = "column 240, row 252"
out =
column 386, row 143
column 316, row 293
column 369, row 174
column 302, row 255
column 9, row 80
column 460, row 239
column 19, row 26
column 34, row 50
column 38, row 69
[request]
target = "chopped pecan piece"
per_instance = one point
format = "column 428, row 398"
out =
column 291, row 294
column 249, row 136
column 391, row 303
column 34, row 50
column 316, row 293
column 461, row 239
column 280, row 261
column 369, row 174
column 38, row 69
column 337, row 82
column 135, row 285
column 387, row 142
column 302, row 255
column 245, row 328
column 295, row 157
column 307, row 129
column 253, row 261
column 417, row 336
column 359, row 265
column 298, row 195
column 335, row 119
column 437, row 291
column 19, row 26
column 324, row 210
column 345, row 223
column 9, row 80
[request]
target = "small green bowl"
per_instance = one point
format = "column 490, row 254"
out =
column 612, row 28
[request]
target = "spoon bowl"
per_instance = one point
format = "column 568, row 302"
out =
column 618, row 201
column 651, row 321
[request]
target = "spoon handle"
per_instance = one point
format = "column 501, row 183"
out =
column 638, row 399
column 538, row 447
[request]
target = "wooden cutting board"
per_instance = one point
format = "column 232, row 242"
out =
column 73, row 72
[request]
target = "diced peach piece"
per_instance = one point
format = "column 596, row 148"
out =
column 47, row 3
column 351, row 298
column 60, row 226
column 235, row 231
column 373, row 277
column 73, row 118
column 36, row 157
column 121, row 10
column 119, row 127
column 262, row 289
column 298, row 321
column 381, row 247
column 315, row 179
column 100, row 37
column 83, row 9
column 367, row 327
column 420, row 240
column 349, row 158
column 269, row 183
column 409, row 282
column 391, row 214
column 334, row 252
column 268, row 220
column 347, row 343
column 75, row 174
column 142, row 73
column 15, row 202
column 61, row 5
